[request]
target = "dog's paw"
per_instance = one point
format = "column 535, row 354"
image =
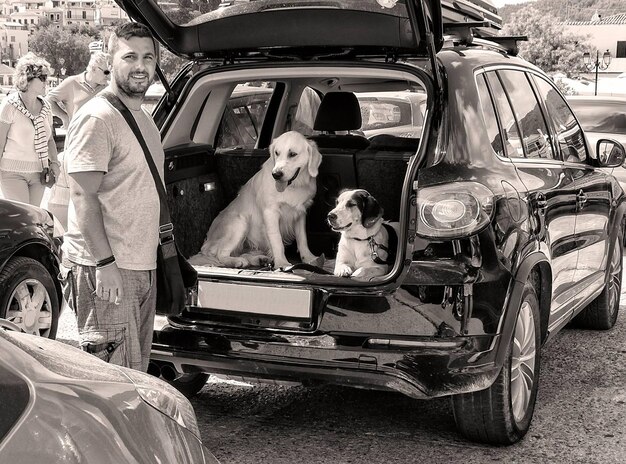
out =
column 343, row 270
column 367, row 273
column 281, row 263
column 315, row 260
column 260, row 260
column 240, row 263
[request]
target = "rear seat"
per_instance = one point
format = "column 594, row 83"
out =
column 235, row 167
column 381, row 167
column 338, row 112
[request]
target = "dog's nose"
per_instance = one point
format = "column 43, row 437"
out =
column 277, row 175
column 332, row 217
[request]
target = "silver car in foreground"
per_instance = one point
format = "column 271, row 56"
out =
column 61, row 405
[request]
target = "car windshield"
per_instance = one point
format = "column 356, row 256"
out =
column 599, row 117
column 192, row 13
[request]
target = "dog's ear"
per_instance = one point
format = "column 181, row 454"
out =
column 370, row 209
column 315, row 159
column 272, row 152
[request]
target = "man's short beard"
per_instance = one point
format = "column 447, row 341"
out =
column 126, row 89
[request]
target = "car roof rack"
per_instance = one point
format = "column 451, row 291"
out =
column 482, row 33
column 510, row 44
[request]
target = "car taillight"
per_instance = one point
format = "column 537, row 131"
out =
column 452, row 211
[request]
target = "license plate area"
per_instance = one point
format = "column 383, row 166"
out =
column 273, row 302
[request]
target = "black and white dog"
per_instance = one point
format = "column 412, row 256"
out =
column 368, row 244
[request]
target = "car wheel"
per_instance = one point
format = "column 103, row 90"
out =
column 601, row 313
column 29, row 297
column 189, row 384
column 501, row 414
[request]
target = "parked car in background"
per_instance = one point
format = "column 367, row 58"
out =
column 62, row 405
column 603, row 117
column 30, row 253
column 392, row 113
column 153, row 95
column 507, row 229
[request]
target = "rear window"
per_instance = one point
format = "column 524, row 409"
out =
column 598, row 117
column 191, row 13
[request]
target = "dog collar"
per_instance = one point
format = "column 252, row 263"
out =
column 294, row 177
column 374, row 246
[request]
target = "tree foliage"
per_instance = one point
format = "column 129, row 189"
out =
column 568, row 10
column 170, row 64
column 70, row 44
column 549, row 47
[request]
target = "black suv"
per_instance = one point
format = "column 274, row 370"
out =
column 507, row 230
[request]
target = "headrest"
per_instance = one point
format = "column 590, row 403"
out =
column 338, row 111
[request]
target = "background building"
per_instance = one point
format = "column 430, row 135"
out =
column 605, row 34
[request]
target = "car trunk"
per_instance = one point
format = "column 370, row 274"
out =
column 204, row 181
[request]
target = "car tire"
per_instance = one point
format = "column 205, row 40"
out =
column 28, row 297
column 190, row 384
column 502, row 413
column 601, row 313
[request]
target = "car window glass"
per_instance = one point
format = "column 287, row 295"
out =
column 569, row 133
column 512, row 140
column 596, row 116
column 528, row 113
column 392, row 112
column 243, row 116
column 491, row 122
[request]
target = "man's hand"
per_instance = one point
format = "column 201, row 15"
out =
column 109, row 284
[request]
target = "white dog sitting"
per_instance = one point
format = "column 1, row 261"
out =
column 368, row 245
column 269, row 211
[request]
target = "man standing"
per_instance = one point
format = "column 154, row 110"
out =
column 65, row 99
column 113, row 220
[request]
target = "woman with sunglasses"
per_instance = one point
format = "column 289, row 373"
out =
column 65, row 100
column 26, row 144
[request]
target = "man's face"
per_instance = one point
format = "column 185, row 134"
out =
column 101, row 74
column 134, row 63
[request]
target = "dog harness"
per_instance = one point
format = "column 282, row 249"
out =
column 390, row 249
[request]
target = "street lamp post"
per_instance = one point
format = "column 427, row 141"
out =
column 597, row 64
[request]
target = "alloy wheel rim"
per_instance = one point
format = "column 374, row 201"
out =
column 615, row 280
column 30, row 308
column 523, row 362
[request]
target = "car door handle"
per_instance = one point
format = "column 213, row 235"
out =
column 581, row 199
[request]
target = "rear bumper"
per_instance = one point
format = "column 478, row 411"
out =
column 419, row 368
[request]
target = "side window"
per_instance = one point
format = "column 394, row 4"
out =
column 243, row 116
column 399, row 113
column 535, row 135
column 512, row 140
column 489, row 114
column 568, row 132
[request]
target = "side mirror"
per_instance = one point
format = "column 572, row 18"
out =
column 610, row 153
